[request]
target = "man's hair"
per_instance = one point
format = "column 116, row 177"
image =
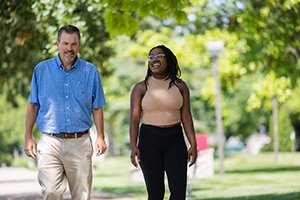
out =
column 173, row 69
column 68, row 29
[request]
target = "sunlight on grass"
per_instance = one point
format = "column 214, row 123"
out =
column 246, row 177
column 113, row 175
column 249, row 176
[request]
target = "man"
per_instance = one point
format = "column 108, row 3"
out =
column 65, row 92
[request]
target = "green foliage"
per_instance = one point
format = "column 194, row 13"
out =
column 30, row 35
column 196, row 71
column 237, row 119
column 268, row 88
column 293, row 108
column 260, row 60
column 293, row 104
column 267, row 45
column 11, row 129
column 270, row 29
column 285, row 129
column 123, row 17
column 21, row 42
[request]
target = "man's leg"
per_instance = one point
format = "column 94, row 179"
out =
column 78, row 166
column 50, row 170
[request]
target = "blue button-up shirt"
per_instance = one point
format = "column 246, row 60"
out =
column 66, row 98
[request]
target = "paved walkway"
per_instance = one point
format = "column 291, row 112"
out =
column 21, row 184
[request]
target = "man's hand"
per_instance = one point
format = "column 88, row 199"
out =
column 30, row 148
column 100, row 146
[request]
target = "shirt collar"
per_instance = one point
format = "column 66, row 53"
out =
column 60, row 64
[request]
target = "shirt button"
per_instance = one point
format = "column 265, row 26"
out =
column 67, row 96
column 67, row 84
column 68, row 120
column 67, row 107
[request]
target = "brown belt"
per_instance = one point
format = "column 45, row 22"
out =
column 69, row 135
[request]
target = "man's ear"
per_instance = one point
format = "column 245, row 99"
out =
column 57, row 43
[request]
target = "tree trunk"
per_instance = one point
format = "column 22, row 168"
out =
column 275, row 125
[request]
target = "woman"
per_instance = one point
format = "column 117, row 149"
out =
column 161, row 103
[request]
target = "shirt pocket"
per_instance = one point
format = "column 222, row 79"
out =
column 78, row 89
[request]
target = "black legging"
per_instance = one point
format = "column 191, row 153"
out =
column 163, row 149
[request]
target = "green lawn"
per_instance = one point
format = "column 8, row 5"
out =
column 248, row 177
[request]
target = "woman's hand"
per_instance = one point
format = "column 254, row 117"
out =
column 192, row 155
column 135, row 156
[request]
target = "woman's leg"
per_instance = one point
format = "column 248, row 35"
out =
column 176, row 166
column 151, row 162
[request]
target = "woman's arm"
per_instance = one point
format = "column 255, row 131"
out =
column 187, row 121
column 137, row 94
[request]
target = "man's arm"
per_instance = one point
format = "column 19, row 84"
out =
column 100, row 146
column 30, row 146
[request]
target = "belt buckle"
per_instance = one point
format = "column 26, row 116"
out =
column 75, row 134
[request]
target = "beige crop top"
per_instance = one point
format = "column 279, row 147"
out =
column 161, row 105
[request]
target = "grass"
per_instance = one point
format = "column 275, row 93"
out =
column 112, row 175
column 246, row 177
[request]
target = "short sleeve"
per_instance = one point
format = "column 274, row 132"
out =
column 33, row 98
column 98, row 93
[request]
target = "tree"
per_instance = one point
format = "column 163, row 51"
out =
column 271, row 31
column 27, row 37
column 271, row 34
column 124, row 17
column 20, row 46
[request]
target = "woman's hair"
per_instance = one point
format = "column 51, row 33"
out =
column 172, row 66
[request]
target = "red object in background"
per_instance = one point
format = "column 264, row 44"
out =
column 201, row 140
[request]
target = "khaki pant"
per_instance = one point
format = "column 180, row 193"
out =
column 62, row 161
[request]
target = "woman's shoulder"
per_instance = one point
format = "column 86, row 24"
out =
column 181, row 85
column 140, row 86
